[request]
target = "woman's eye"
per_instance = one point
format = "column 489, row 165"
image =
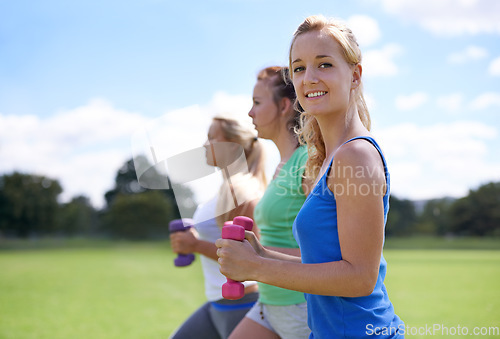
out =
column 325, row 65
column 298, row 69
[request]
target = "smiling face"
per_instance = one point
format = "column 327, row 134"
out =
column 264, row 111
column 322, row 78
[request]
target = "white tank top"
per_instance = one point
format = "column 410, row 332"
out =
column 208, row 230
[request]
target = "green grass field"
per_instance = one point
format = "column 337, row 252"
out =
column 132, row 290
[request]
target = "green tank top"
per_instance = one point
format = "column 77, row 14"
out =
column 274, row 215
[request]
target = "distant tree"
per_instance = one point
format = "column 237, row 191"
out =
column 435, row 217
column 478, row 213
column 402, row 217
column 28, row 204
column 125, row 183
column 78, row 217
column 139, row 216
column 129, row 192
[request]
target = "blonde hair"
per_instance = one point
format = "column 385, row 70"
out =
column 247, row 187
column 310, row 132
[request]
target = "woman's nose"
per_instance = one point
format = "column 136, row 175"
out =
column 310, row 76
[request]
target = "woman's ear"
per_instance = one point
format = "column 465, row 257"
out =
column 285, row 105
column 356, row 76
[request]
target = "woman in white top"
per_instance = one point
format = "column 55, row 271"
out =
column 228, row 138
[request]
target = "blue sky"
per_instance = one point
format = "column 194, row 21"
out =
column 79, row 78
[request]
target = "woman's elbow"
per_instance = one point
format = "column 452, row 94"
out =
column 365, row 284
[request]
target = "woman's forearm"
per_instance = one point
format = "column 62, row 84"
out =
column 338, row 278
column 348, row 278
column 206, row 248
column 282, row 253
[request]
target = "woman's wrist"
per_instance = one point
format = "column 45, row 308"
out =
column 264, row 252
column 198, row 246
column 256, row 267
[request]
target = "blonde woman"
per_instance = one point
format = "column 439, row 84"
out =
column 228, row 137
column 340, row 228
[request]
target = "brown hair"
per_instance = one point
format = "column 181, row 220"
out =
column 278, row 80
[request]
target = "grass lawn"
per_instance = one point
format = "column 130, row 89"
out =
column 132, row 290
column 121, row 291
column 445, row 288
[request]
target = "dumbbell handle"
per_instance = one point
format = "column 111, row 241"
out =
column 234, row 290
column 182, row 225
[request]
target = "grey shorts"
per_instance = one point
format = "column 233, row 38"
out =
column 289, row 321
column 215, row 320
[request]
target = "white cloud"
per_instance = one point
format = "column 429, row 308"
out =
column 449, row 17
column 412, row 101
column 451, row 103
column 494, row 68
column 471, row 53
column 185, row 129
column 486, row 100
column 84, row 147
column 365, row 29
column 445, row 159
column 381, row 62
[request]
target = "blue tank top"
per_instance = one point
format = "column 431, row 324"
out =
column 342, row 317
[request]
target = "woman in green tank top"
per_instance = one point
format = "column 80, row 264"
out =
column 280, row 313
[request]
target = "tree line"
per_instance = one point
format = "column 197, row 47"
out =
column 476, row 214
column 29, row 207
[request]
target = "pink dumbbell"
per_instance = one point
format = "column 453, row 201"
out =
column 235, row 231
